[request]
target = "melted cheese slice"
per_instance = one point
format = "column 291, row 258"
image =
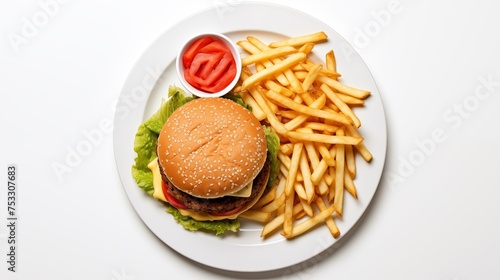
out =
column 158, row 190
column 245, row 192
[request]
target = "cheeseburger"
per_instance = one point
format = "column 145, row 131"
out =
column 212, row 160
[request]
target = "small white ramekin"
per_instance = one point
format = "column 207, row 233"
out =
column 180, row 66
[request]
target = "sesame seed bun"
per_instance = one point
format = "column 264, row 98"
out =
column 211, row 147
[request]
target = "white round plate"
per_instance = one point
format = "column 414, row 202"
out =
column 148, row 83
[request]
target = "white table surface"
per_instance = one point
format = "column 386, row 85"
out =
column 435, row 215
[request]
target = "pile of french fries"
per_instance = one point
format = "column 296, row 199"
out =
column 312, row 112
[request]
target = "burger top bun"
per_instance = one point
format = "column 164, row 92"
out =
column 211, row 147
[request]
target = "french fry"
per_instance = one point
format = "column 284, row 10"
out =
column 306, row 174
column 284, row 171
column 306, row 48
column 252, row 49
column 278, row 221
column 323, row 188
column 331, row 62
column 349, row 184
column 271, row 117
column 297, row 98
column 318, row 172
column 276, row 68
column 311, row 76
column 300, row 215
column 289, row 114
column 288, row 222
column 259, row 67
column 268, row 197
column 312, row 154
column 256, row 215
column 299, row 190
column 288, row 103
column 286, row 149
column 245, row 73
column 350, row 161
column 339, row 176
column 275, row 204
column 280, row 210
column 272, row 105
column 280, row 188
column 300, row 40
column 320, row 147
column 330, row 223
column 294, row 81
column 263, row 47
column 284, row 159
column 332, row 172
column 258, row 43
column 248, row 46
column 322, row 138
column 311, row 223
column 325, row 153
column 256, row 110
column 355, row 92
column 294, row 166
column 328, row 178
column 349, row 100
column 267, row 54
column 307, row 207
column 297, row 121
column 270, row 84
column 323, row 71
column 321, row 127
column 365, row 153
column 330, row 107
column 340, row 104
column 308, row 100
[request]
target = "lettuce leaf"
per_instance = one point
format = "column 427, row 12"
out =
column 144, row 146
column 239, row 100
column 177, row 98
column 273, row 145
column 146, row 138
column 218, row 227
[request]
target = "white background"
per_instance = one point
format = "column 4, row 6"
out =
column 435, row 215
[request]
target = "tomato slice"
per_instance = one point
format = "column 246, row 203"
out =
column 170, row 198
column 218, row 71
column 230, row 212
column 223, row 81
column 190, row 78
column 192, row 50
column 199, row 60
column 209, row 66
column 215, row 46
